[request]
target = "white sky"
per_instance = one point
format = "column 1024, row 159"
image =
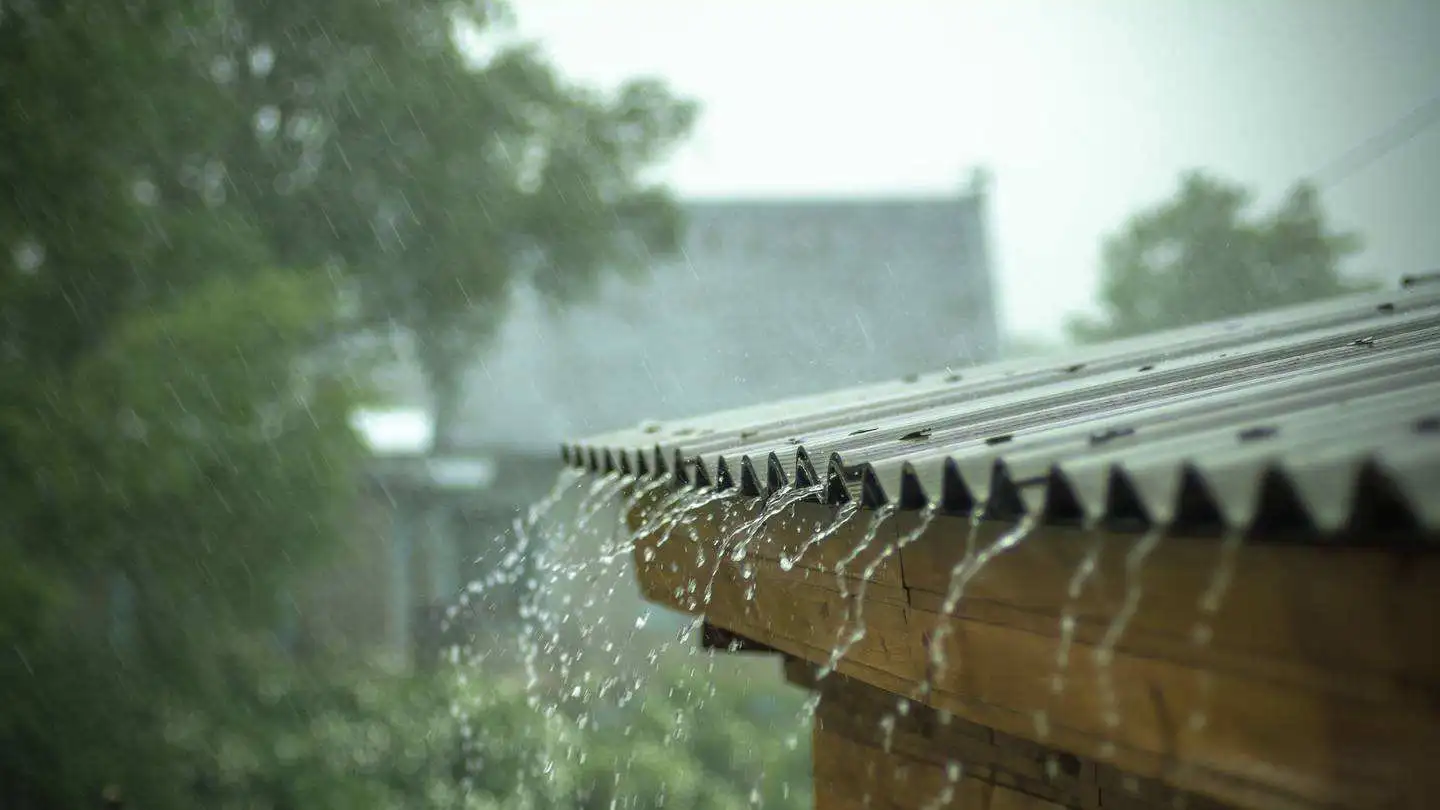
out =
column 1085, row 111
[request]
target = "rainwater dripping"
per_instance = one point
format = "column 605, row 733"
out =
column 847, row 640
column 1104, row 654
column 1069, row 617
column 856, row 634
column 509, row 568
column 953, row 772
column 960, row 577
column 872, row 531
column 887, row 731
column 843, row 515
column 622, row 543
column 680, row 512
column 670, row 510
column 779, row 501
column 1209, row 607
column 603, row 493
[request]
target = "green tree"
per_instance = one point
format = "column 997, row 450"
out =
column 202, row 199
column 1203, row 256
column 330, row 739
column 428, row 181
column 174, row 452
column 435, row 180
column 701, row 731
column 178, row 475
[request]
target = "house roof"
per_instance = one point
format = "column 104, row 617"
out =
column 1318, row 418
column 767, row 299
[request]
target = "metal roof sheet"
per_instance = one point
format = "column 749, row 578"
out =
column 1316, row 420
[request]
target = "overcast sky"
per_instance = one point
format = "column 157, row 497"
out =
column 1084, row 111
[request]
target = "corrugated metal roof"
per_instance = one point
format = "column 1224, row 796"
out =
column 1316, row 419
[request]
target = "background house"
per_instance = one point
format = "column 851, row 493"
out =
column 767, row 299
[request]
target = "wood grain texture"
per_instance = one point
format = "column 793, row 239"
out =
column 1316, row 686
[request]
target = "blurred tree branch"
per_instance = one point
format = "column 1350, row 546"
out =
column 1200, row 257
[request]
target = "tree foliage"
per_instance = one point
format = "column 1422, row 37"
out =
column 700, row 734
column 1203, row 256
column 199, row 199
column 178, row 476
column 434, row 180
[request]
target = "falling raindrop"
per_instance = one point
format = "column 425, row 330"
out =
column 262, row 60
column 267, row 121
column 969, row 566
column 1209, row 607
column 222, row 70
column 28, row 255
column 145, row 192
column 1104, row 653
column 1082, row 575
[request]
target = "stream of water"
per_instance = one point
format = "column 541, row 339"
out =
column 572, row 565
column 843, row 516
column 1069, row 617
column 845, row 640
column 1104, row 653
column 969, row 566
column 1209, row 607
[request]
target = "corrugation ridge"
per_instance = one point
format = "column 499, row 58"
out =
column 1312, row 428
column 872, row 494
column 723, row 480
column 938, row 426
column 775, row 477
column 1138, row 422
column 751, row 483
column 1164, row 349
column 1062, row 504
column 805, row 474
column 1008, row 417
column 1303, row 431
column 837, row 486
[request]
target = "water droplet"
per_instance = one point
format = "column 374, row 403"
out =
column 222, row 70
column 28, row 255
column 262, row 59
column 267, row 121
column 145, row 192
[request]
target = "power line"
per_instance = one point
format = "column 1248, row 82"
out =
column 1377, row 146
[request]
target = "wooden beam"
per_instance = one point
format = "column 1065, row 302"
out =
column 1316, row 682
column 868, row 756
